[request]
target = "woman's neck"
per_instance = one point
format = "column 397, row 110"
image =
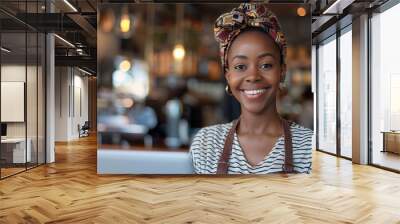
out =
column 268, row 122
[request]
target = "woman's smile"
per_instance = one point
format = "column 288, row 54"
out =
column 253, row 94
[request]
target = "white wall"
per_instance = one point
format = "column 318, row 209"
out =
column 33, row 127
column 71, row 93
column 62, row 81
column 16, row 73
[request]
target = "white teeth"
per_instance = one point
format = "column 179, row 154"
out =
column 254, row 92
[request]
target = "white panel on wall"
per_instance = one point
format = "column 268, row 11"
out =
column 71, row 100
column 394, row 101
column 12, row 101
column 77, row 111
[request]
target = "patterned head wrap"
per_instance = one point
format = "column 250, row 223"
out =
column 247, row 15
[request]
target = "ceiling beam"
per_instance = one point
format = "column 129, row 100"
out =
column 81, row 61
column 84, row 24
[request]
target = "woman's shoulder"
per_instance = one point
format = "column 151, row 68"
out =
column 210, row 138
column 297, row 129
column 213, row 131
column 207, row 145
column 301, row 137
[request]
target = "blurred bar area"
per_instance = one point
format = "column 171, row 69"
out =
column 160, row 78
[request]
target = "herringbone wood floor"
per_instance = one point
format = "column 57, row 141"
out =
column 70, row 191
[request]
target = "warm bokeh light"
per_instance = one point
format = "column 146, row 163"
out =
column 125, row 65
column 301, row 11
column 125, row 23
column 179, row 52
column 107, row 21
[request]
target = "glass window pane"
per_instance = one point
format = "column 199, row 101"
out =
column 14, row 153
column 23, row 86
column 31, row 97
column 346, row 94
column 385, row 84
column 327, row 96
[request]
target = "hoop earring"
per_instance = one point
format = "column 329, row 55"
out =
column 282, row 86
column 228, row 90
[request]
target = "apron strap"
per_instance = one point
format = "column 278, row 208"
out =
column 288, row 166
column 223, row 162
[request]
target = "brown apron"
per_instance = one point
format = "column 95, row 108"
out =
column 223, row 163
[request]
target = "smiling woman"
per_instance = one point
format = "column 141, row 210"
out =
column 253, row 51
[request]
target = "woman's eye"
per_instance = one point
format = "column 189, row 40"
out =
column 240, row 67
column 266, row 66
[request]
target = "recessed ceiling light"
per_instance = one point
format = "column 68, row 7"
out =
column 70, row 5
column 65, row 41
column 5, row 50
column 84, row 71
column 337, row 7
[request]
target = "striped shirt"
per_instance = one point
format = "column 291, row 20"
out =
column 208, row 144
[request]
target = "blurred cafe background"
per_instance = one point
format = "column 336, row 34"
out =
column 160, row 78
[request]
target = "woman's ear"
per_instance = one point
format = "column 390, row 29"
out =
column 227, row 75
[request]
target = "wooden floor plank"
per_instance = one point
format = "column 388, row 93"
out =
column 70, row 191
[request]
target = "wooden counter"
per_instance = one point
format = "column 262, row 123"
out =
column 391, row 141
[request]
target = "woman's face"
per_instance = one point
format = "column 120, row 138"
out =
column 254, row 71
